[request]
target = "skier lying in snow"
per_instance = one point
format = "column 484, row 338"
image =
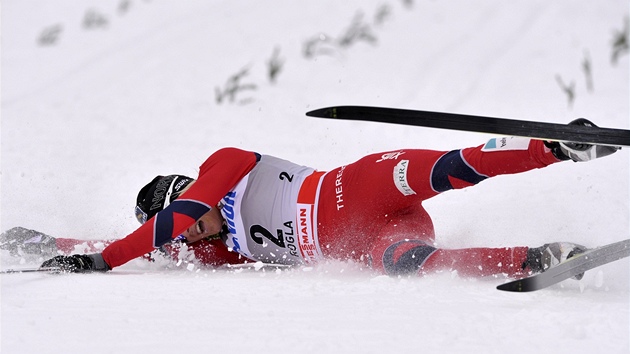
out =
column 248, row 207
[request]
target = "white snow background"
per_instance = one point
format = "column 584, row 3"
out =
column 101, row 107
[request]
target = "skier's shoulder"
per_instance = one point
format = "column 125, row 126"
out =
column 230, row 160
column 233, row 152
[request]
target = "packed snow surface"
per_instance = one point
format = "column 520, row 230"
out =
column 98, row 97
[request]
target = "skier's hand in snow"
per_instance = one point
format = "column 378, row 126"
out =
column 78, row 263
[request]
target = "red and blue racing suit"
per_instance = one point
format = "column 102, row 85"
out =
column 369, row 211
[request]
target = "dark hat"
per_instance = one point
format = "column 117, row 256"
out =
column 158, row 194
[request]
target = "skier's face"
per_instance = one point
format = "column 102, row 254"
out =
column 207, row 225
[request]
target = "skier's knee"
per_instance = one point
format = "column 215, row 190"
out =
column 406, row 257
column 453, row 165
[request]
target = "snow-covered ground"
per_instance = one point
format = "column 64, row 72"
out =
column 91, row 116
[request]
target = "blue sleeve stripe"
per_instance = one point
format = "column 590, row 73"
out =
column 164, row 220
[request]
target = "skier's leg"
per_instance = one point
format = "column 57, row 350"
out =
column 404, row 247
column 462, row 168
column 69, row 246
column 20, row 241
column 399, row 255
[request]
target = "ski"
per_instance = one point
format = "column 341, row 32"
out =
column 570, row 268
column 479, row 124
column 31, row 270
column 256, row 266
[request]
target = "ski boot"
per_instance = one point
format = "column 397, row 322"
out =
column 578, row 152
column 20, row 241
column 542, row 258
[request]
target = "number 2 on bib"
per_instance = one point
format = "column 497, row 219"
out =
column 257, row 230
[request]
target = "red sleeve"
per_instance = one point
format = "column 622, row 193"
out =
column 217, row 176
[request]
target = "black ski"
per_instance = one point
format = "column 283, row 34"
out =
column 499, row 126
column 571, row 267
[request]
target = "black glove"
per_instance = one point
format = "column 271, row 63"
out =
column 78, row 263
